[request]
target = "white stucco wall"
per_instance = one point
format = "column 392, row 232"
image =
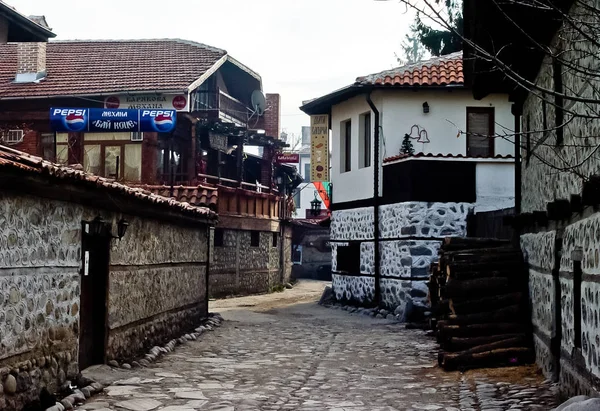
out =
column 495, row 186
column 399, row 111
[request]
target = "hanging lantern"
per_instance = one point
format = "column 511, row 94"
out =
column 315, row 206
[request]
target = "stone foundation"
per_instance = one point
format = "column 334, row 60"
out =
column 410, row 237
column 133, row 341
column 22, row 381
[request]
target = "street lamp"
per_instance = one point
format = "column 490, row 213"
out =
column 97, row 226
column 315, row 206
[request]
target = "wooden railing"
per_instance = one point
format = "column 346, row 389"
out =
column 220, row 105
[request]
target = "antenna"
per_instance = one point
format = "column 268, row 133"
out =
column 259, row 102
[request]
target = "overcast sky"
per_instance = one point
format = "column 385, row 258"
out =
column 301, row 48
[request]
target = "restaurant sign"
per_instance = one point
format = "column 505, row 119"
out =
column 100, row 120
column 155, row 101
column 319, row 148
column 286, row 158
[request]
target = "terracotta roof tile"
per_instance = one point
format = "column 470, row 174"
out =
column 200, row 196
column 438, row 71
column 17, row 160
column 440, row 155
column 110, row 66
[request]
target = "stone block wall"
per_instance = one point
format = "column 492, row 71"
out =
column 39, row 296
column 578, row 365
column 157, row 285
column 156, row 290
column 238, row 268
column 410, row 237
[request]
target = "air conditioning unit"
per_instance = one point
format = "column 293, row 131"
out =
column 137, row 136
column 13, row 136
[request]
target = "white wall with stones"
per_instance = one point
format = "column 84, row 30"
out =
column 404, row 259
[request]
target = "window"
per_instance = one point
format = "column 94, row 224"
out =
column 48, row 146
column 254, row 238
column 275, row 237
column 172, row 159
column 365, row 141
column 297, row 198
column 111, row 155
column 307, row 172
column 480, row 131
column 346, row 146
column 62, row 148
column 218, row 237
column 13, row 136
column 348, row 258
column 137, row 136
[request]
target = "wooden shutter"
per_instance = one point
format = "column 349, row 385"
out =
column 480, row 131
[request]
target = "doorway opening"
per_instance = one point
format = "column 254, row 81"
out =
column 94, row 287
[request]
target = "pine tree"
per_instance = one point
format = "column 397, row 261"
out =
column 407, row 147
column 412, row 49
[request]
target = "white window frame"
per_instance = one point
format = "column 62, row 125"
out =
column 9, row 133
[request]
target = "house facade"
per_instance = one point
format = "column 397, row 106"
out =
column 202, row 161
column 383, row 257
column 91, row 270
column 558, row 209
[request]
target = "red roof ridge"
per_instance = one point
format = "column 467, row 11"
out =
column 423, row 73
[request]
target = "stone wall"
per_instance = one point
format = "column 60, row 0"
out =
column 156, row 290
column 410, row 234
column 238, row 268
column 553, row 171
column 39, row 296
column 157, row 285
column 538, row 250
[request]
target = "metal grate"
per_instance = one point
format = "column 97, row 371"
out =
column 13, row 136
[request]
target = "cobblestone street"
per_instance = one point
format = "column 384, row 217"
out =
column 284, row 352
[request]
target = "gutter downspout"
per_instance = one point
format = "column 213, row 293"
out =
column 377, row 262
column 209, row 231
column 517, row 111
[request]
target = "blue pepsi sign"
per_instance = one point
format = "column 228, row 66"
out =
column 99, row 120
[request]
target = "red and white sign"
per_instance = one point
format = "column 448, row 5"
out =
column 177, row 102
column 283, row 158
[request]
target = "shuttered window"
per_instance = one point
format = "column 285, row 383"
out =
column 480, row 131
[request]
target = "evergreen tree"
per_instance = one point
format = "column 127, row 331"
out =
column 412, row 49
column 441, row 42
column 407, row 147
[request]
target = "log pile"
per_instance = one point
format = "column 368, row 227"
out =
column 478, row 293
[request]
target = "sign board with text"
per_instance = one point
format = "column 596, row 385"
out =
column 100, row 120
column 319, row 147
column 155, row 101
column 286, row 158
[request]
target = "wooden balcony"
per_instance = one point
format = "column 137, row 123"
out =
column 218, row 105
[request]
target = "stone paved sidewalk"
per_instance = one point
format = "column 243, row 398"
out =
column 284, row 352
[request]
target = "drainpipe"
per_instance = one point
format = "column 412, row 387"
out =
column 209, row 229
column 517, row 111
column 376, row 202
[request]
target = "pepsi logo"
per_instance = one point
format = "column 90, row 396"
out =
column 75, row 120
column 164, row 122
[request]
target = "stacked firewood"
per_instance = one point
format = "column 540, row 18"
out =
column 478, row 294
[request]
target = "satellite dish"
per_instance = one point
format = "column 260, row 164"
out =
column 259, row 102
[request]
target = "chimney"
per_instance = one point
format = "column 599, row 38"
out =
column 31, row 62
column 273, row 115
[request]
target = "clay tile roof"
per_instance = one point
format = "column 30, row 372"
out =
column 440, row 155
column 84, row 67
column 19, row 161
column 200, row 196
column 438, row 71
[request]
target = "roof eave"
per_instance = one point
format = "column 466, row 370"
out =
column 39, row 33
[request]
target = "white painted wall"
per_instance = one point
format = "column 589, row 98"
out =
column 399, row 111
column 495, row 186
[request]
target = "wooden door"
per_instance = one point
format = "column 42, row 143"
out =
column 93, row 313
